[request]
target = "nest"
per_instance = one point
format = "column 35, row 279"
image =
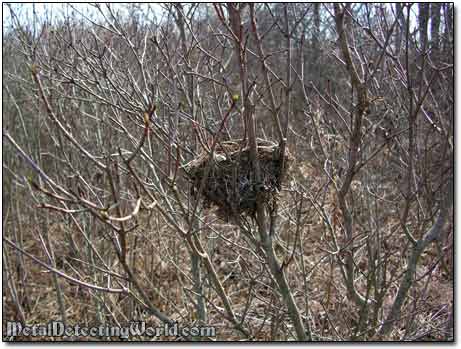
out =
column 231, row 184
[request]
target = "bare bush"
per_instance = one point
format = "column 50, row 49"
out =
column 125, row 124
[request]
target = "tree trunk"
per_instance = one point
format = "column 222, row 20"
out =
column 435, row 26
column 423, row 19
column 400, row 27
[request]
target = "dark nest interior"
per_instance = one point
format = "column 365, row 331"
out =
column 230, row 184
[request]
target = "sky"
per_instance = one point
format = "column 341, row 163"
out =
column 53, row 11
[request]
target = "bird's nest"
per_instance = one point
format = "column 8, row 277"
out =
column 230, row 182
